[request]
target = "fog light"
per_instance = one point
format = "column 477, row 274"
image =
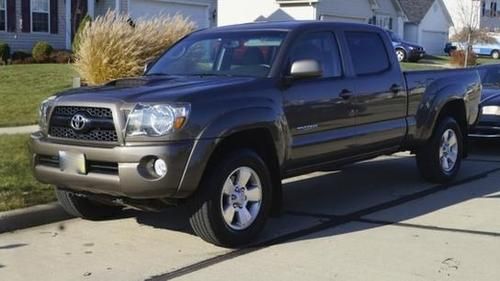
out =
column 160, row 167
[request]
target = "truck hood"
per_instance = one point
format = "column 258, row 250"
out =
column 152, row 89
column 490, row 96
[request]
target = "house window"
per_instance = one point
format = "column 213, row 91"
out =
column 483, row 8
column 3, row 15
column 40, row 15
column 382, row 21
column 493, row 9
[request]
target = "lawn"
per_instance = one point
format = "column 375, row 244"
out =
column 23, row 87
column 439, row 62
column 18, row 188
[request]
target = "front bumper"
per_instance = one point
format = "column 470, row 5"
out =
column 487, row 127
column 416, row 54
column 119, row 170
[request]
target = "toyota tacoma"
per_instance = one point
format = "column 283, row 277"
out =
column 218, row 120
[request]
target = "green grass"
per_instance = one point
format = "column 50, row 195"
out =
column 439, row 62
column 18, row 187
column 23, row 87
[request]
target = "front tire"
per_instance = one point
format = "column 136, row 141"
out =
column 401, row 55
column 83, row 207
column 233, row 201
column 439, row 160
column 495, row 54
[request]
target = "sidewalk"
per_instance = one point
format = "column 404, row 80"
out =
column 18, row 130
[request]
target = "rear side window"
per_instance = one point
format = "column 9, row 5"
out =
column 322, row 47
column 368, row 52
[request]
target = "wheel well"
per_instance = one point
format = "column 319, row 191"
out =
column 261, row 141
column 456, row 110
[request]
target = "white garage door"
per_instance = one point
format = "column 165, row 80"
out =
column 342, row 19
column 434, row 41
column 150, row 8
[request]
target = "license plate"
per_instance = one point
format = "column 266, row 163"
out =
column 72, row 162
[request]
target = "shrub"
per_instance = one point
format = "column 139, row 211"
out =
column 112, row 48
column 41, row 52
column 4, row 52
column 61, row 56
column 20, row 57
column 458, row 58
column 83, row 24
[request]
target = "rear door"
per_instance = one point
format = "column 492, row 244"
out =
column 380, row 99
column 319, row 115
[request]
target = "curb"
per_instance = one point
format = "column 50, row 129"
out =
column 32, row 216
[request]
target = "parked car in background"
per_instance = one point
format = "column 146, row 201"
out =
column 224, row 115
column 406, row 51
column 449, row 48
column 487, row 50
column 489, row 118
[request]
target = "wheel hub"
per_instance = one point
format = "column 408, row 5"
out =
column 448, row 152
column 241, row 198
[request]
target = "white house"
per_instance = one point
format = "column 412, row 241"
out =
column 385, row 13
column 484, row 14
column 428, row 24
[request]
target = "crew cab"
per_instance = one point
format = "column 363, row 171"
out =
column 226, row 113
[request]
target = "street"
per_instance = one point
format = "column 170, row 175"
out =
column 376, row 220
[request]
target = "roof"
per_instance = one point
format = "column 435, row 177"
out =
column 416, row 10
column 285, row 25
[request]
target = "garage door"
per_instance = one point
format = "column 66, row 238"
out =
column 150, row 8
column 343, row 19
column 434, row 42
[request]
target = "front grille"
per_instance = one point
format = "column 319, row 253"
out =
column 100, row 127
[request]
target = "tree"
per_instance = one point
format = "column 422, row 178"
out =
column 469, row 17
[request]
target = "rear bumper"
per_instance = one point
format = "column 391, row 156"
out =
column 123, row 174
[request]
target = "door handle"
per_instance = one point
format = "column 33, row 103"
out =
column 345, row 94
column 395, row 88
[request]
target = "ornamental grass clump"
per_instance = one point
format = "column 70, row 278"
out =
column 113, row 47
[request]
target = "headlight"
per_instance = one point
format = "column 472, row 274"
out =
column 43, row 112
column 156, row 120
column 411, row 48
column 491, row 110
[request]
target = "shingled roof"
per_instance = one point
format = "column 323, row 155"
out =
column 416, row 10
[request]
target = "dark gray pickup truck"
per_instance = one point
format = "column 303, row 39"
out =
column 225, row 114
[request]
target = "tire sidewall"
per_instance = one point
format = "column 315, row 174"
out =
column 241, row 158
column 495, row 54
column 404, row 55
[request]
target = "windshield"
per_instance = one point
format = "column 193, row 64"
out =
column 491, row 77
column 222, row 54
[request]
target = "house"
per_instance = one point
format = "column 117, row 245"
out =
column 481, row 14
column 25, row 22
column 428, row 24
column 385, row 13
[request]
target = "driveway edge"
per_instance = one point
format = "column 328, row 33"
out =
column 32, row 216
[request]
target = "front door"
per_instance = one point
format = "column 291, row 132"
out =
column 319, row 110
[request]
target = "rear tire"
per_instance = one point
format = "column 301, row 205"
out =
column 439, row 160
column 83, row 207
column 226, row 211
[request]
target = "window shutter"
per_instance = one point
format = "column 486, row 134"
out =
column 11, row 15
column 25, row 14
column 53, row 17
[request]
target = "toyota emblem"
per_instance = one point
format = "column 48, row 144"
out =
column 78, row 122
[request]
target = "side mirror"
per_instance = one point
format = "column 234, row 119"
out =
column 148, row 66
column 306, row 69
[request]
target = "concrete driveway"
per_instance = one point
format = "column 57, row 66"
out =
column 376, row 220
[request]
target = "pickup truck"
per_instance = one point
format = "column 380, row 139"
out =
column 218, row 120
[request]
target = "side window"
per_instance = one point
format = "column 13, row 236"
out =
column 368, row 52
column 322, row 47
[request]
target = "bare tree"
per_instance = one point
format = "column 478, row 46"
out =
column 469, row 15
